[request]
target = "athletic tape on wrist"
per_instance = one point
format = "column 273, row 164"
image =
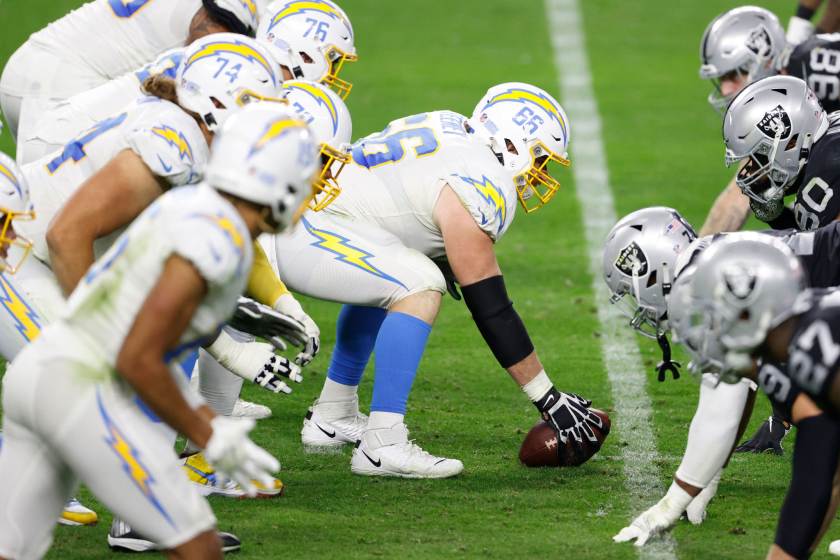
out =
column 497, row 320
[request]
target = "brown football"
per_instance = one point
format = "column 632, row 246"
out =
column 540, row 446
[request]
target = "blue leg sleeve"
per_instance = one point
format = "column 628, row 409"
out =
column 355, row 338
column 399, row 348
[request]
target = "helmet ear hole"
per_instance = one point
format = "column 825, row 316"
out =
column 792, row 143
column 651, row 279
column 217, row 103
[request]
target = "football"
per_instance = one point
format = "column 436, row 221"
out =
column 540, row 446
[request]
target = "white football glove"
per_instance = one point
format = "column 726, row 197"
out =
column 256, row 362
column 288, row 305
column 235, row 456
column 696, row 510
column 658, row 518
column 799, row 30
column 263, row 321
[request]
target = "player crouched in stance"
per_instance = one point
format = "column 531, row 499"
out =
column 429, row 186
column 749, row 301
column 166, row 286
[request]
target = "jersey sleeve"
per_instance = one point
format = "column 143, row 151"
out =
column 171, row 144
column 489, row 201
column 814, row 352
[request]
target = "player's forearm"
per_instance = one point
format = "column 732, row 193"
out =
column 830, row 22
column 729, row 212
column 71, row 255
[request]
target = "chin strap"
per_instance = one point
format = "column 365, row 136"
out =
column 666, row 364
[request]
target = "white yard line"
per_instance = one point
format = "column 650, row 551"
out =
column 631, row 416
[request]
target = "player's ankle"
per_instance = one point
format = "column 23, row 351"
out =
column 335, row 391
column 384, row 420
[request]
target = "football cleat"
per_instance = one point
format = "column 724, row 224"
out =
column 245, row 409
column 347, row 428
column 389, row 452
column 123, row 539
column 76, row 514
column 203, row 476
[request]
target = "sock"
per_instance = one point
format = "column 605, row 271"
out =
column 355, row 338
column 216, row 385
column 385, row 420
column 335, row 391
column 399, row 348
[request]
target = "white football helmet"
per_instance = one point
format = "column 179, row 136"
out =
column 240, row 16
column 312, row 38
column 526, row 128
column 638, row 260
column 265, row 156
column 746, row 40
column 14, row 205
column 330, row 124
column 223, row 72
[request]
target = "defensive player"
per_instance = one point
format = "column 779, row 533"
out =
column 103, row 40
column 172, row 280
column 310, row 41
column 429, row 186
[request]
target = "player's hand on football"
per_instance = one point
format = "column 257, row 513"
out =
column 288, row 305
column 696, row 510
column 275, row 326
column 572, row 420
column 235, row 456
column 658, row 518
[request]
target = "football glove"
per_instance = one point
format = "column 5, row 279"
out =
column 449, row 276
column 288, row 305
column 235, row 456
column 696, row 510
column 256, row 362
column 260, row 320
column 658, row 518
column 768, row 437
column 767, row 211
column 570, row 417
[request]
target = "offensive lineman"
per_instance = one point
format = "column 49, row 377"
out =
column 167, row 293
column 429, row 186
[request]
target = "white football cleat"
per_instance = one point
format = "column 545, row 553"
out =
column 388, row 452
column 204, row 478
column 76, row 514
column 347, row 429
column 123, row 539
column 245, row 409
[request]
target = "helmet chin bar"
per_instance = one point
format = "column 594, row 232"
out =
column 19, row 241
column 326, row 189
column 778, row 178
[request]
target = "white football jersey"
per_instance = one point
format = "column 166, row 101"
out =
column 194, row 222
column 64, row 122
column 167, row 139
column 396, row 177
column 100, row 41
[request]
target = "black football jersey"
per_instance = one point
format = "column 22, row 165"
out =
column 818, row 198
column 817, row 61
column 814, row 351
column 818, row 250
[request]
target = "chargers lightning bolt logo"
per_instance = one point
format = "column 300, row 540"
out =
column 177, row 139
column 273, row 131
column 519, row 95
column 25, row 317
column 492, row 194
column 321, row 97
column 352, row 255
column 300, row 7
column 237, row 48
column 6, row 172
column 251, row 7
column 130, row 459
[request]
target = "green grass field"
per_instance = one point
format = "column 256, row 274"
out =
column 663, row 147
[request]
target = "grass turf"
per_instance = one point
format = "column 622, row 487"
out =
column 663, row 147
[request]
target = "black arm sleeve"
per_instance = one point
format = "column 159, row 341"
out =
column 785, row 221
column 497, row 320
column 814, row 464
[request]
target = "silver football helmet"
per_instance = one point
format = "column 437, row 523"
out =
column 773, row 122
column 638, row 261
column 742, row 288
column 746, row 40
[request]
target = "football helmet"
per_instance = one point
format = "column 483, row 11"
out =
column 773, row 122
column 742, row 288
column 638, row 261
column 526, row 128
column 330, row 124
column 267, row 157
column 240, row 16
column 14, row 205
column 223, row 72
column 746, row 40
column 312, row 38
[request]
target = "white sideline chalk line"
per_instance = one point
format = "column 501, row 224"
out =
column 631, row 417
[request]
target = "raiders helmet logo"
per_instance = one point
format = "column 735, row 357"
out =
column 630, row 258
column 775, row 122
column 760, row 42
column 740, row 282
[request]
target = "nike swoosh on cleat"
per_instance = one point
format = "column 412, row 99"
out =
column 375, row 463
column 441, row 461
column 332, row 435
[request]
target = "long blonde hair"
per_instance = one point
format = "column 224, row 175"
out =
column 164, row 87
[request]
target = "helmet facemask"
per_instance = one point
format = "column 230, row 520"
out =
column 762, row 168
column 535, row 182
column 336, row 59
column 325, row 186
column 6, row 241
column 647, row 320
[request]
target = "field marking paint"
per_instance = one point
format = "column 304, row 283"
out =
column 632, row 411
